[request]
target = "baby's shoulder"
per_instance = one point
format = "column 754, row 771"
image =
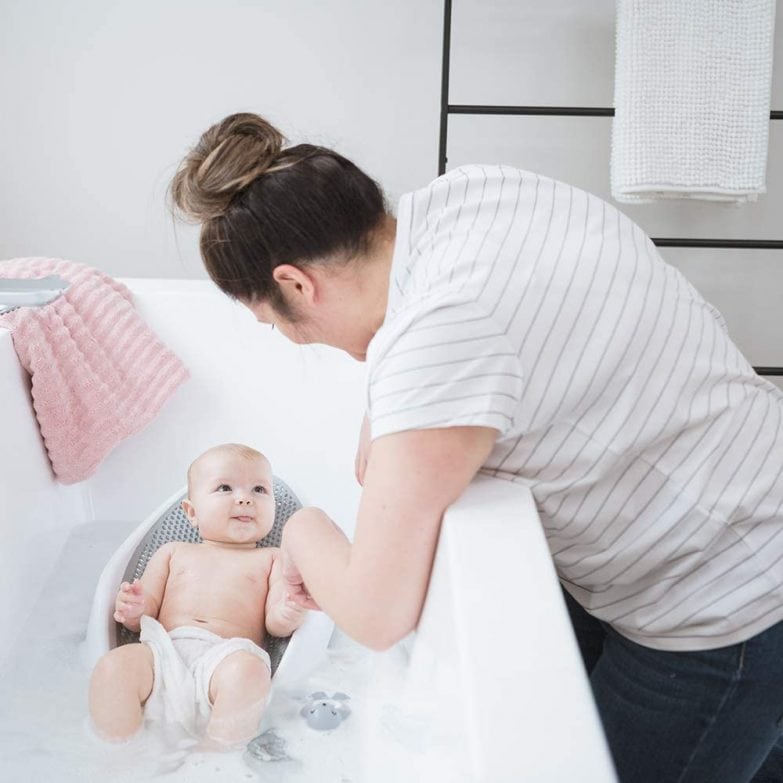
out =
column 267, row 554
column 176, row 549
column 167, row 549
column 179, row 546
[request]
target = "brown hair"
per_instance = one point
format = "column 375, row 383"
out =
column 261, row 205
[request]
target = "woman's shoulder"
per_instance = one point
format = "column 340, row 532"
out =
column 489, row 180
column 484, row 171
column 455, row 199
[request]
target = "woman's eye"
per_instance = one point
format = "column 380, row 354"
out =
column 259, row 489
column 224, row 488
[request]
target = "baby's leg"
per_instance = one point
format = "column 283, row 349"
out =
column 121, row 683
column 238, row 691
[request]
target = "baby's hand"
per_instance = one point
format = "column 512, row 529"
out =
column 129, row 605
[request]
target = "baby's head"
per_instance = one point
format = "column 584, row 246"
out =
column 230, row 497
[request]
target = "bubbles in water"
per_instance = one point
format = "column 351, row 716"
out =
column 391, row 733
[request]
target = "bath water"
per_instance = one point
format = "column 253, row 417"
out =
column 391, row 734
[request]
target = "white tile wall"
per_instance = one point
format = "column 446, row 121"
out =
column 561, row 53
column 576, row 150
column 554, row 53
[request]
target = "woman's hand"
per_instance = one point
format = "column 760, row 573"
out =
column 363, row 451
column 296, row 590
column 129, row 606
column 312, row 545
column 291, row 611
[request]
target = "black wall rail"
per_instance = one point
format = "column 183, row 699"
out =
column 447, row 109
column 555, row 111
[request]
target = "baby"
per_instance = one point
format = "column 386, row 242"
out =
column 203, row 610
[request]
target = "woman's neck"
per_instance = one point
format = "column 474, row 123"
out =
column 374, row 282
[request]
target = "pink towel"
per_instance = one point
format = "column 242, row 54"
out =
column 98, row 372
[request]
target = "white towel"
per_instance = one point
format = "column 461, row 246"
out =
column 692, row 99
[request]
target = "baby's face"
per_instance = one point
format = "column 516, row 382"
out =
column 231, row 498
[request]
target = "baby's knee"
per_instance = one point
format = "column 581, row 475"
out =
column 131, row 663
column 120, row 685
column 238, row 690
column 241, row 672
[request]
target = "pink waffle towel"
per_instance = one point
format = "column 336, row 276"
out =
column 98, row 372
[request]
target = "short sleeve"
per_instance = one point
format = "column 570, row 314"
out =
column 446, row 364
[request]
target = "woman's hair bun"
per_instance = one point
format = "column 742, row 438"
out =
column 226, row 159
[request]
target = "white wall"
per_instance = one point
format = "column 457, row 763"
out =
column 100, row 100
column 561, row 53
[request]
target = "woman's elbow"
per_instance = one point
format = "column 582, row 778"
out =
column 381, row 643
column 380, row 636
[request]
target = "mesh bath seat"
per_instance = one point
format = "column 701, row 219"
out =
column 304, row 651
column 173, row 525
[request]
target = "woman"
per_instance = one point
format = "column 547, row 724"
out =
column 518, row 326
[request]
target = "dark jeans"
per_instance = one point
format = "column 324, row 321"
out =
column 714, row 716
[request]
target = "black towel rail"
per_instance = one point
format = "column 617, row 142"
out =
column 447, row 109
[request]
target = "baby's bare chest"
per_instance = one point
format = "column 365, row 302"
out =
column 206, row 573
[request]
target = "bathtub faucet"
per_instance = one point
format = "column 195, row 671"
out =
column 29, row 292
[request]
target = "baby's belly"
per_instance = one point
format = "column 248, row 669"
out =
column 225, row 627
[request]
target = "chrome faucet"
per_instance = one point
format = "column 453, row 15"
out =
column 29, row 292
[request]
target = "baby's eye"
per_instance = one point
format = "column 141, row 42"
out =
column 259, row 489
column 224, row 488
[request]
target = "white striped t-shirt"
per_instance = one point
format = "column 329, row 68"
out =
column 653, row 451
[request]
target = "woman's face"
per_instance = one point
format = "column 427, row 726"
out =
column 338, row 304
column 328, row 328
column 266, row 314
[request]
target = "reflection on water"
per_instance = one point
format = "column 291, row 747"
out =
column 390, row 735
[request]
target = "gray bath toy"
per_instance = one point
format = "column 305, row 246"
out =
column 324, row 712
column 268, row 746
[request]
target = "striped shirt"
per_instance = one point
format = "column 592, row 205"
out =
column 652, row 449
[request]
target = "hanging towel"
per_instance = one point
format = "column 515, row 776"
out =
column 692, row 99
column 98, row 373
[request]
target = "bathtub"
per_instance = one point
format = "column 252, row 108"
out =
column 494, row 656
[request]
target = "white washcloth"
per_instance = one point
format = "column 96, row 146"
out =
column 692, row 99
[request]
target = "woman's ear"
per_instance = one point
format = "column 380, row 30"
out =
column 190, row 512
column 298, row 285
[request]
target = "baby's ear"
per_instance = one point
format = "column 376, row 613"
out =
column 190, row 512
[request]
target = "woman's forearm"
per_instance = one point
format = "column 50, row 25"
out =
column 322, row 554
column 374, row 589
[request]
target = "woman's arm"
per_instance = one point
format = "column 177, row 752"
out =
column 374, row 589
column 362, row 450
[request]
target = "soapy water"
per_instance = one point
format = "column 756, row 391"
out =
column 391, row 733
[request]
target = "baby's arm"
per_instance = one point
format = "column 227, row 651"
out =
column 283, row 614
column 144, row 595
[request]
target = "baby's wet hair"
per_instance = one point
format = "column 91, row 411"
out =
column 237, row 449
